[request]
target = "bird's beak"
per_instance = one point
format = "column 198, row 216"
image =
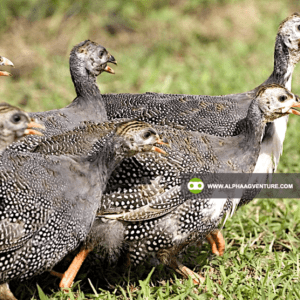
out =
column 158, row 150
column 6, row 62
column 110, row 70
column 112, row 60
column 295, row 104
column 31, row 125
column 4, row 73
column 161, row 142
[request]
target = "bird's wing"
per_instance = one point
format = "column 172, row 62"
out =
column 159, row 204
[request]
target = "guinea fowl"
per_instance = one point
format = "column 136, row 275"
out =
column 87, row 60
column 14, row 124
column 219, row 115
column 194, row 218
column 167, row 221
column 5, row 62
column 48, row 202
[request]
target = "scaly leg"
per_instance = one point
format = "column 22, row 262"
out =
column 186, row 272
column 217, row 242
column 69, row 276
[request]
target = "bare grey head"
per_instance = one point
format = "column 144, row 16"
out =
column 289, row 29
column 90, row 58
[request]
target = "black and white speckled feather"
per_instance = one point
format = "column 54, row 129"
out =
column 175, row 218
column 48, row 202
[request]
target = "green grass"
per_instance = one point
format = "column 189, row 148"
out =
column 195, row 47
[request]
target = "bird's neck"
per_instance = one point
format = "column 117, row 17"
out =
column 91, row 148
column 253, row 125
column 284, row 63
column 5, row 140
column 103, row 158
column 89, row 100
column 85, row 85
column 103, row 152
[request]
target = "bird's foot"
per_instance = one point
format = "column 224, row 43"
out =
column 5, row 292
column 217, row 242
column 197, row 279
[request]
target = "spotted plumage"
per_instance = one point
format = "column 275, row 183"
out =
column 87, row 60
column 177, row 221
column 14, row 124
column 48, row 202
column 219, row 115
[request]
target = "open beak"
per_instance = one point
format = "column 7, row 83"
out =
column 164, row 141
column 296, row 104
column 112, row 60
column 31, row 125
column 161, row 142
column 158, row 150
column 5, row 62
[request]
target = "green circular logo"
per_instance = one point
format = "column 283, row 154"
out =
column 195, row 185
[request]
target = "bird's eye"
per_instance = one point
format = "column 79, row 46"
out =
column 298, row 27
column 148, row 133
column 101, row 53
column 282, row 98
column 16, row 118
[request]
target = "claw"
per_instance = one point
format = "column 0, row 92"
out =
column 197, row 279
column 5, row 292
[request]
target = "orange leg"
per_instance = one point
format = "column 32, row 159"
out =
column 5, row 293
column 69, row 276
column 213, row 244
column 168, row 257
column 216, row 242
column 197, row 279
